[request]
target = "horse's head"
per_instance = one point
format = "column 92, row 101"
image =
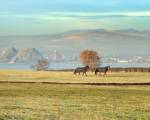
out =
column 87, row 67
column 108, row 67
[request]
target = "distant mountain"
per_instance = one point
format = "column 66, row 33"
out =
column 7, row 54
column 128, row 30
column 108, row 42
column 27, row 56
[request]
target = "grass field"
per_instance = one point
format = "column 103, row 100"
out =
column 64, row 102
column 73, row 102
column 62, row 77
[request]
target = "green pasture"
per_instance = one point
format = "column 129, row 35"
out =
column 49, row 76
column 69, row 102
column 38, row 101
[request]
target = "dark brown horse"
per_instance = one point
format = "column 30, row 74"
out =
column 103, row 70
column 81, row 70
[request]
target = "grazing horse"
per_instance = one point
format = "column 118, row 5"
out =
column 81, row 70
column 102, row 70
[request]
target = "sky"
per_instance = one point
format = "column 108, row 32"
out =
column 28, row 17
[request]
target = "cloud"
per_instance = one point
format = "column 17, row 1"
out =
column 74, row 15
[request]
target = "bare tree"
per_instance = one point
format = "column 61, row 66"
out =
column 41, row 64
column 90, row 58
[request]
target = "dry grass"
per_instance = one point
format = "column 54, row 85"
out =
column 64, row 102
column 70, row 77
column 73, row 102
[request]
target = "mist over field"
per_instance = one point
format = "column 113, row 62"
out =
column 107, row 42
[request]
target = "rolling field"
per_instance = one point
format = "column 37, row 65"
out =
column 63, row 77
column 65, row 102
column 73, row 102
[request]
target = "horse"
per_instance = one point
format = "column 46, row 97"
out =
column 81, row 70
column 102, row 70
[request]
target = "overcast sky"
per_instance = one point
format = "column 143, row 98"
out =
column 20, row 17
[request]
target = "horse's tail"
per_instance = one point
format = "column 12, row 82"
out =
column 95, row 71
column 75, row 72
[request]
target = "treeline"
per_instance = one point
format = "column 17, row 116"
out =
column 89, row 58
column 114, row 69
column 130, row 69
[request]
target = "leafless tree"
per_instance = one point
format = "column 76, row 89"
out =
column 90, row 58
column 41, row 64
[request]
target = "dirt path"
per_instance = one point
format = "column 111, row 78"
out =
column 96, row 84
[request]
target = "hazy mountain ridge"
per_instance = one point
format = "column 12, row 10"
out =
column 7, row 54
column 114, row 42
column 27, row 56
column 31, row 55
column 12, row 55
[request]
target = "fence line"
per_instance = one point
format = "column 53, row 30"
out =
column 130, row 69
column 118, row 69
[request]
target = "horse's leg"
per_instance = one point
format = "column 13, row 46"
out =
column 105, row 74
column 75, row 72
column 85, row 73
column 96, row 73
column 100, row 73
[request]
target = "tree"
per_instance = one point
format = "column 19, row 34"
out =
column 41, row 64
column 90, row 58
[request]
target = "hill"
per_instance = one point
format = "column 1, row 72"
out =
column 7, row 54
column 114, row 42
column 27, row 56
